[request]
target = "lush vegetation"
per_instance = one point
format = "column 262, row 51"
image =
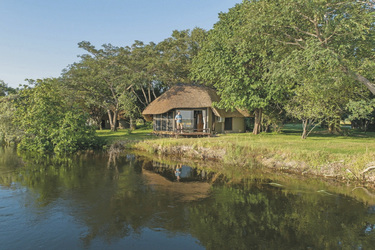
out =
column 50, row 121
column 303, row 59
column 312, row 62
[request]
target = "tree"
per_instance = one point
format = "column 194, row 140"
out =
column 126, row 79
column 5, row 89
column 50, row 122
column 102, row 76
column 362, row 111
column 320, row 92
column 321, row 48
column 144, row 65
column 8, row 132
column 229, row 62
column 345, row 28
column 176, row 55
column 249, row 50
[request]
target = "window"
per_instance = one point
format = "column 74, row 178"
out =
column 187, row 118
column 228, row 123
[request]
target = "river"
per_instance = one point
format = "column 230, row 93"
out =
column 129, row 201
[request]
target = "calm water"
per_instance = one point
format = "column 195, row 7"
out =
column 101, row 202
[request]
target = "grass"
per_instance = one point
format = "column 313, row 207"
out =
column 320, row 152
column 125, row 134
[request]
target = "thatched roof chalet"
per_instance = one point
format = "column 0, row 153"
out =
column 184, row 96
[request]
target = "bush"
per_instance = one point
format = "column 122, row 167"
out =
column 51, row 123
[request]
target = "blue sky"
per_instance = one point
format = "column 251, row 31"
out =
column 39, row 37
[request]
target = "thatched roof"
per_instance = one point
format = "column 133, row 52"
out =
column 183, row 96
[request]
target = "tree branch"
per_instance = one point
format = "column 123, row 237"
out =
column 138, row 97
column 366, row 82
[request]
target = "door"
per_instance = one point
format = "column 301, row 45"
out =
column 200, row 122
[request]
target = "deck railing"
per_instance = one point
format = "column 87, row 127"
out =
column 204, row 130
column 166, row 124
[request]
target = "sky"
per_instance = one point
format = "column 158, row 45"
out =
column 38, row 38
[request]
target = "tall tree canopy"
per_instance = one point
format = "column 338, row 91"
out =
column 126, row 79
column 231, row 63
column 102, row 77
column 250, row 54
column 323, row 48
column 344, row 28
column 176, row 55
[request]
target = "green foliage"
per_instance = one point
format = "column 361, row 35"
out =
column 122, row 81
column 321, row 91
column 228, row 61
column 73, row 133
column 231, row 61
column 49, row 122
column 310, row 52
column 362, row 112
column 176, row 54
column 127, row 103
column 5, row 89
column 101, row 78
column 345, row 29
column 9, row 133
column 362, row 109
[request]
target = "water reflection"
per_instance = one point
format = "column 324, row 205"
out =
column 100, row 201
column 168, row 171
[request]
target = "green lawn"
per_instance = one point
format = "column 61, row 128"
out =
column 125, row 134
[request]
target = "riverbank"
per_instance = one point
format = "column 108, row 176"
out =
column 341, row 157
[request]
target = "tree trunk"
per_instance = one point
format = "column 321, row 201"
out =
column 331, row 128
column 110, row 118
column 114, row 123
column 304, row 126
column 334, row 126
column 366, row 82
column 257, row 121
column 132, row 124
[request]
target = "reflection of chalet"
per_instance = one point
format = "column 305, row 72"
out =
column 198, row 114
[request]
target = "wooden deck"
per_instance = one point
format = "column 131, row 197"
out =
column 183, row 133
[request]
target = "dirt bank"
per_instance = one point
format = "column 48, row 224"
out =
column 274, row 162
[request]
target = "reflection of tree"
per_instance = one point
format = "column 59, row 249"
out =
column 9, row 162
column 109, row 195
column 268, row 219
column 115, row 199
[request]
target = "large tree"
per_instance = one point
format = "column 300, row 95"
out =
column 102, row 77
column 176, row 55
column 323, row 49
column 320, row 92
column 249, row 52
column 229, row 61
column 343, row 27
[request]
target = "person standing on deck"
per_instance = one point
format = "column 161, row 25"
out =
column 178, row 119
